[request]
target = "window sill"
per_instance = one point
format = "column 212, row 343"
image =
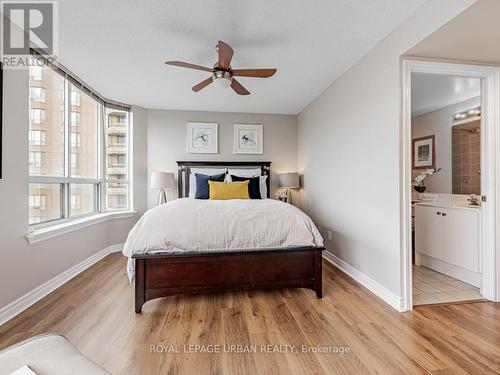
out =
column 37, row 235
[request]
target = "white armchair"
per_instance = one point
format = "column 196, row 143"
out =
column 47, row 354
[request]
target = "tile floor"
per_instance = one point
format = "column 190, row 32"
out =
column 433, row 287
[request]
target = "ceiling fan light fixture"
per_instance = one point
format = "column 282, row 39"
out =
column 222, row 79
column 222, row 72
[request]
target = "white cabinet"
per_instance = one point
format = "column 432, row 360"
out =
column 428, row 231
column 447, row 239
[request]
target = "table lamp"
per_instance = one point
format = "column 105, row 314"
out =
column 289, row 181
column 162, row 181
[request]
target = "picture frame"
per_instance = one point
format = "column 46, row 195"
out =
column 424, row 152
column 202, row 138
column 248, row 139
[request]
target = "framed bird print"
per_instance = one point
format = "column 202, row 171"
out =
column 248, row 139
column 202, row 138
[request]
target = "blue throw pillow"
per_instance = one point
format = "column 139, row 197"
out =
column 202, row 189
column 253, row 185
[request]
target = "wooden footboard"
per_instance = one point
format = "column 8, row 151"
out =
column 165, row 275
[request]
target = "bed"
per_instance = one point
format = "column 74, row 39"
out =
column 191, row 246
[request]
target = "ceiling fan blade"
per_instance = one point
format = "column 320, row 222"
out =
column 202, row 84
column 238, row 88
column 189, row 66
column 225, row 54
column 258, row 73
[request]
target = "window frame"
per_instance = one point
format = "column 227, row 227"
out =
column 100, row 182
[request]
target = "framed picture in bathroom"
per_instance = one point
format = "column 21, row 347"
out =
column 424, row 152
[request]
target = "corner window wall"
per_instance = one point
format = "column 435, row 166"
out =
column 69, row 150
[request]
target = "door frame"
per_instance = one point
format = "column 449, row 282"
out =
column 490, row 178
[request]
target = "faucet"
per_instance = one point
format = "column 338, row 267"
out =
column 474, row 200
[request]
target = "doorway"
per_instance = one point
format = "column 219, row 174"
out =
column 448, row 208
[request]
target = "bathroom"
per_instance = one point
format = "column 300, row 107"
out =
column 446, row 172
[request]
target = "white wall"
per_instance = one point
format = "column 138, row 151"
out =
column 439, row 123
column 24, row 267
column 349, row 153
column 167, row 141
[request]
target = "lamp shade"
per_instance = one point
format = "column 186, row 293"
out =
column 289, row 180
column 162, row 180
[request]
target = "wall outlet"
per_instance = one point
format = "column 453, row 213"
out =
column 329, row 235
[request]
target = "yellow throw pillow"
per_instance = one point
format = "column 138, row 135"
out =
column 228, row 190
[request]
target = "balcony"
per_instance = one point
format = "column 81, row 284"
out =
column 116, row 169
column 38, row 105
column 116, row 128
column 37, row 81
column 116, row 149
column 117, row 190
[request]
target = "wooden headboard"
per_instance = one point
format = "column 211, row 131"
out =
column 184, row 171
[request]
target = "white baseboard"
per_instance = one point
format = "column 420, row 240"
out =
column 373, row 286
column 11, row 310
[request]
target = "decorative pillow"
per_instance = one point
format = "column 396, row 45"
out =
column 228, row 190
column 253, row 185
column 245, row 172
column 202, row 184
column 207, row 171
column 263, row 187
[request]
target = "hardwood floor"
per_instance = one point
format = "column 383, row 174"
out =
column 95, row 311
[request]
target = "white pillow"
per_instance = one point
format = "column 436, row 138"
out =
column 246, row 172
column 263, row 187
column 207, row 171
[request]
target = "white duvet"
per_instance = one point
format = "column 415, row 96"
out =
column 193, row 225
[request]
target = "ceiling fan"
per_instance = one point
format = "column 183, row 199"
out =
column 222, row 72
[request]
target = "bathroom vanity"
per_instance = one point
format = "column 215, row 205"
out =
column 447, row 239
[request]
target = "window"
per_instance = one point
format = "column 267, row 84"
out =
column 117, row 140
column 75, row 118
column 37, row 116
column 75, row 161
column 75, row 139
column 37, row 137
column 66, row 150
column 75, row 202
column 37, row 202
column 46, row 129
column 117, row 159
column 83, row 199
column 37, row 94
column 88, row 121
column 44, row 202
column 35, row 73
column 75, row 98
column 36, row 159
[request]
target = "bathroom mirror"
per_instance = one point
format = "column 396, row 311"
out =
column 446, row 133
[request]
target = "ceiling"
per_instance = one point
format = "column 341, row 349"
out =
column 119, row 47
column 474, row 35
column 430, row 92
